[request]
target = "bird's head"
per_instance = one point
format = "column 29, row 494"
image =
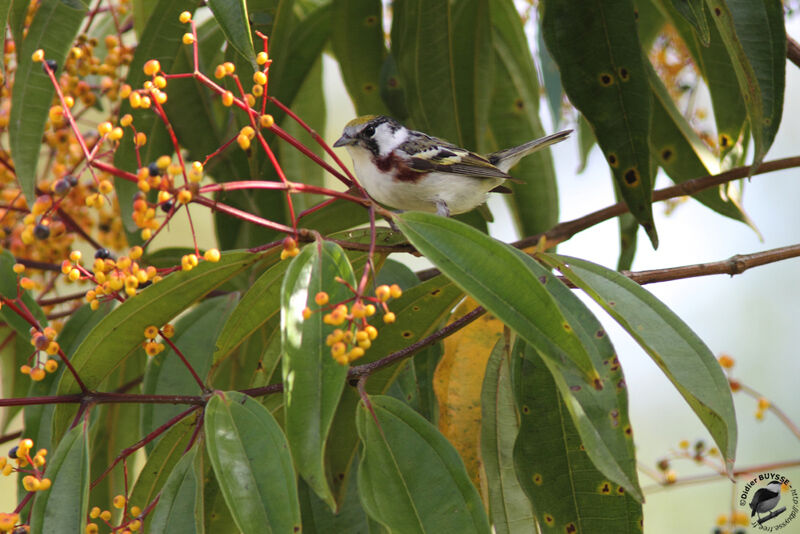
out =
column 377, row 133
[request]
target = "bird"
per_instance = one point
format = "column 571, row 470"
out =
column 766, row 498
column 410, row 170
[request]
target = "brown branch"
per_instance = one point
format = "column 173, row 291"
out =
column 699, row 479
column 793, row 51
column 563, row 231
column 734, row 265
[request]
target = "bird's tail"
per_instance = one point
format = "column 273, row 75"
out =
column 505, row 159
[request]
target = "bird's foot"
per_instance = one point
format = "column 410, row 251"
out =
column 442, row 209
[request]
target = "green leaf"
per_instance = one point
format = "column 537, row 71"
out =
column 421, row 46
column 9, row 289
column 63, row 508
column 312, row 379
column 161, row 462
column 755, row 37
column 410, row 478
column 509, row 508
column 694, row 13
column 568, row 492
column 318, row 518
column 121, row 332
column 232, row 18
column 358, row 43
column 586, row 140
column 420, row 311
column 310, row 105
column 473, row 70
column 161, row 40
column 166, row 374
column 682, row 154
column 16, row 20
column 649, row 22
column 254, row 310
column 603, row 75
column 716, row 67
column 177, row 504
column 53, row 30
column 674, row 347
column 599, row 410
column 515, row 120
column 250, row 457
column 472, row 260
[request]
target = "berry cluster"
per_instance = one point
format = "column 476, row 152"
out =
column 151, row 346
column 349, row 343
column 130, row 522
column 29, row 464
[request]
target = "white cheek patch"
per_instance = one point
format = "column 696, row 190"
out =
column 388, row 138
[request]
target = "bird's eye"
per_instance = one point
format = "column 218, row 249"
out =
column 369, row 131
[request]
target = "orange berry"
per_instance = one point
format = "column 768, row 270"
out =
column 726, row 361
column 152, row 67
column 321, row 298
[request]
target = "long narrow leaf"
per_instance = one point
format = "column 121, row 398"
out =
column 251, row 460
column 410, row 478
column 674, row 347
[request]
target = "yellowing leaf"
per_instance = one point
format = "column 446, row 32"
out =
column 458, row 381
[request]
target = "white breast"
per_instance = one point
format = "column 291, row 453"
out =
column 460, row 193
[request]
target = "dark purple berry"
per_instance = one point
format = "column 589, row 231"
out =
column 166, row 207
column 61, row 187
column 72, row 179
column 41, row 231
column 13, row 453
column 52, row 65
column 102, row 253
column 153, row 169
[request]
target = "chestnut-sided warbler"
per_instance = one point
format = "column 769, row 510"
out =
column 410, row 170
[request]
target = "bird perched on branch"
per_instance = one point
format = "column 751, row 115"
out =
column 410, row 170
column 766, row 498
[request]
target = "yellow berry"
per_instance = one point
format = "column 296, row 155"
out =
column 187, row 38
column 372, row 332
column 25, row 369
column 91, row 528
column 266, row 121
column 135, row 511
column 212, row 255
column 306, row 313
column 105, row 515
column 261, row 58
column 94, row 513
column 260, row 78
column 389, row 318
column 395, row 291
column 19, row 268
column 26, row 283
column 135, row 100
column 321, row 298
column 126, row 120
column 227, row 98
column 763, row 403
column 38, row 56
column 185, row 17
column 105, row 187
column 151, row 332
column 383, row 292
column 45, row 484
column 51, row 365
column 184, row 196
column 229, row 67
column 37, row 374
column 140, row 139
column 219, row 72
column 160, row 82
column 244, row 141
column 30, row 483
column 119, row 502
column 152, row 67
column 74, row 275
column 683, row 444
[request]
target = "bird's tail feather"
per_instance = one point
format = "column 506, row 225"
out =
column 505, row 159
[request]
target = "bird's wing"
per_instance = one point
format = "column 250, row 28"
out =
column 441, row 156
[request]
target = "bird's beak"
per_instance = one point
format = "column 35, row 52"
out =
column 344, row 140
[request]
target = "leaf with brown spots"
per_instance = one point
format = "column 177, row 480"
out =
column 674, row 347
column 604, row 76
